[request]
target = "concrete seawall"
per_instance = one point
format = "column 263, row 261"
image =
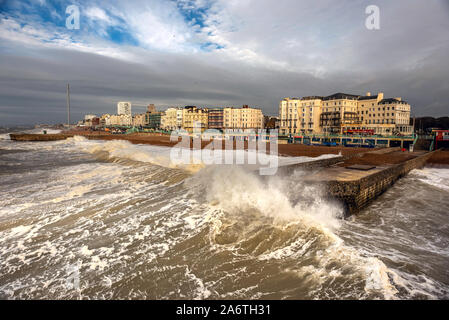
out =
column 357, row 188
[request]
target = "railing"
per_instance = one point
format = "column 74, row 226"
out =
column 343, row 136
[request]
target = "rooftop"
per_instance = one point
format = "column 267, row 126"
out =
column 391, row 100
column 368, row 97
column 340, row 95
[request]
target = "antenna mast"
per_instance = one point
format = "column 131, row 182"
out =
column 68, row 104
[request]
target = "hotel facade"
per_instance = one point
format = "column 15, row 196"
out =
column 340, row 113
column 219, row 118
column 242, row 118
column 188, row 118
column 194, row 118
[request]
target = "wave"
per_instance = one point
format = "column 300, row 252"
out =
column 257, row 218
column 437, row 177
column 41, row 130
column 219, row 231
column 5, row 136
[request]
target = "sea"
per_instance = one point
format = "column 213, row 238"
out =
column 85, row 219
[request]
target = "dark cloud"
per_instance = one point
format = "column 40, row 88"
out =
column 406, row 58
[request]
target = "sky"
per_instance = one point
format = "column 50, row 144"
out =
column 216, row 53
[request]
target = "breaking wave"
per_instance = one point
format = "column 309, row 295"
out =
column 136, row 226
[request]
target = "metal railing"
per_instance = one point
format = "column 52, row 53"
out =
column 353, row 136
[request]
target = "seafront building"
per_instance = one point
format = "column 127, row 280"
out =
column 172, row 119
column 119, row 120
column 153, row 119
column 139, row 120
column 194, row 118
column 124, row 108
column 216, row 118
column 89, row 121
column 188, row 118
column 341, row 113
column 242, row 118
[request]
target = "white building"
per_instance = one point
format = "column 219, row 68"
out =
column 88, row 117
column 139, row 120
column 119, row 120
column 124, row 108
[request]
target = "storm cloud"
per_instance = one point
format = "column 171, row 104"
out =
column 217, row 53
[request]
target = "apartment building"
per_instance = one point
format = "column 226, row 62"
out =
column 172, row 119
column 216, row 118
column 153, row 120
column 119, row 120
column 309, row 112
column 104, row 118
column 153, row 117
column 194, row 118
column 124, row 108
column 288, row 115
column 300, row 115
column 139, row 120
column 389, row 116
column 340, row 112
column 242, row 118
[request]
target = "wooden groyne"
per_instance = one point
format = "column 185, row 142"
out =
column 39, row 136
column 58, row 136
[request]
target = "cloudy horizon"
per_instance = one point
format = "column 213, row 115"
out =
column 217, row 53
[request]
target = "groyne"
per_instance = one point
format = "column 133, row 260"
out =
column 359, row 179
column 39, row 137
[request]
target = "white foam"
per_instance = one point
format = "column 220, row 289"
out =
column 201, row 291
column 41, row 131
column 437, row 177
column 19, row 231
column 236, row 190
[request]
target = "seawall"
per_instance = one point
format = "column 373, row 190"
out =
column 355, row 186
